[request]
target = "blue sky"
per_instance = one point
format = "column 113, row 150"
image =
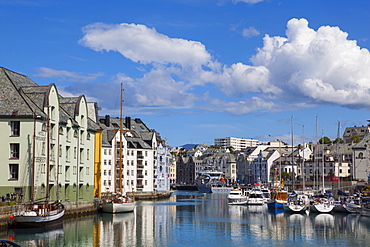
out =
column 196, row 70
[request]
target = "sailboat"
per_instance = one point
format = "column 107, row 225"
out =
column 278, row 197
column 118, row 202
column 41, row 212
column 324, row 201
column 298, row 202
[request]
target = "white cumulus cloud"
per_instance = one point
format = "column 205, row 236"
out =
column 304, row 68
column 320, row 66
column 144, row 45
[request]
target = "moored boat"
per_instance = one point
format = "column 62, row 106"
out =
column 211, row 181
column 119, row 202
column 296, row 203
column 37, row 214
column 237, row 197
column 256, row 196
column 322, row 203
column 278, row 199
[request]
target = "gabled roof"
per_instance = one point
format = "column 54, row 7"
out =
column 22, row 97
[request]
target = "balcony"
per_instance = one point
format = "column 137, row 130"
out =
column 140, row 157
column 140, row 166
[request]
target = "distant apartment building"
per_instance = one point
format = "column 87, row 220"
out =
column 236, row 143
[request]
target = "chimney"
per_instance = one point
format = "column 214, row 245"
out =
column 107, row 120
column 128, row 123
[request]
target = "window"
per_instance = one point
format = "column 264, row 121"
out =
column 88, row 137
column 88, row 154
column 13, row 171
column 68, row 134
column 14, row 150
column 68, row 153
column 43, row 168
column 15, row 128
column 82, row 157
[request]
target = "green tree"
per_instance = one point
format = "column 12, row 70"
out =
column 338, row 140
column 355, row 138
column 325, row 140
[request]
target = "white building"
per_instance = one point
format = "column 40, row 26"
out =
column 163, row 166
column 236, row 143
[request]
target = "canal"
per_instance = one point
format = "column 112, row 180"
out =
column 190, row 218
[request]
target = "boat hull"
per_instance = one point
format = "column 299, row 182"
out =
column 321, row 208
column 255, row 201
column 33, row 220
column 118, row 207
column 346, row 208
column 276, row 204
column 294, row 208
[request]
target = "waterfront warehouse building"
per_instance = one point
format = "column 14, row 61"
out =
column 52, row 134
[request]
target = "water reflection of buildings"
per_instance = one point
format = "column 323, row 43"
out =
column 115, row 229
column 207, row 219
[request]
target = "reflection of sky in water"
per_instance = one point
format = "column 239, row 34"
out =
column 195, row 219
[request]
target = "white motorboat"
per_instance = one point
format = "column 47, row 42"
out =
column 266, row 194
column 256, row 196
column 237, row 197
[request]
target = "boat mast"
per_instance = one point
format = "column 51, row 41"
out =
column 33, row 159
column 302, row 165
column 47, row 154
column 120, row 139
column 316, row 165
column 292, row 155
column 323, row 160
column 339, row 157
column 280, row 165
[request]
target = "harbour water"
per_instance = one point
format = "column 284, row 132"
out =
column 190, row 218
